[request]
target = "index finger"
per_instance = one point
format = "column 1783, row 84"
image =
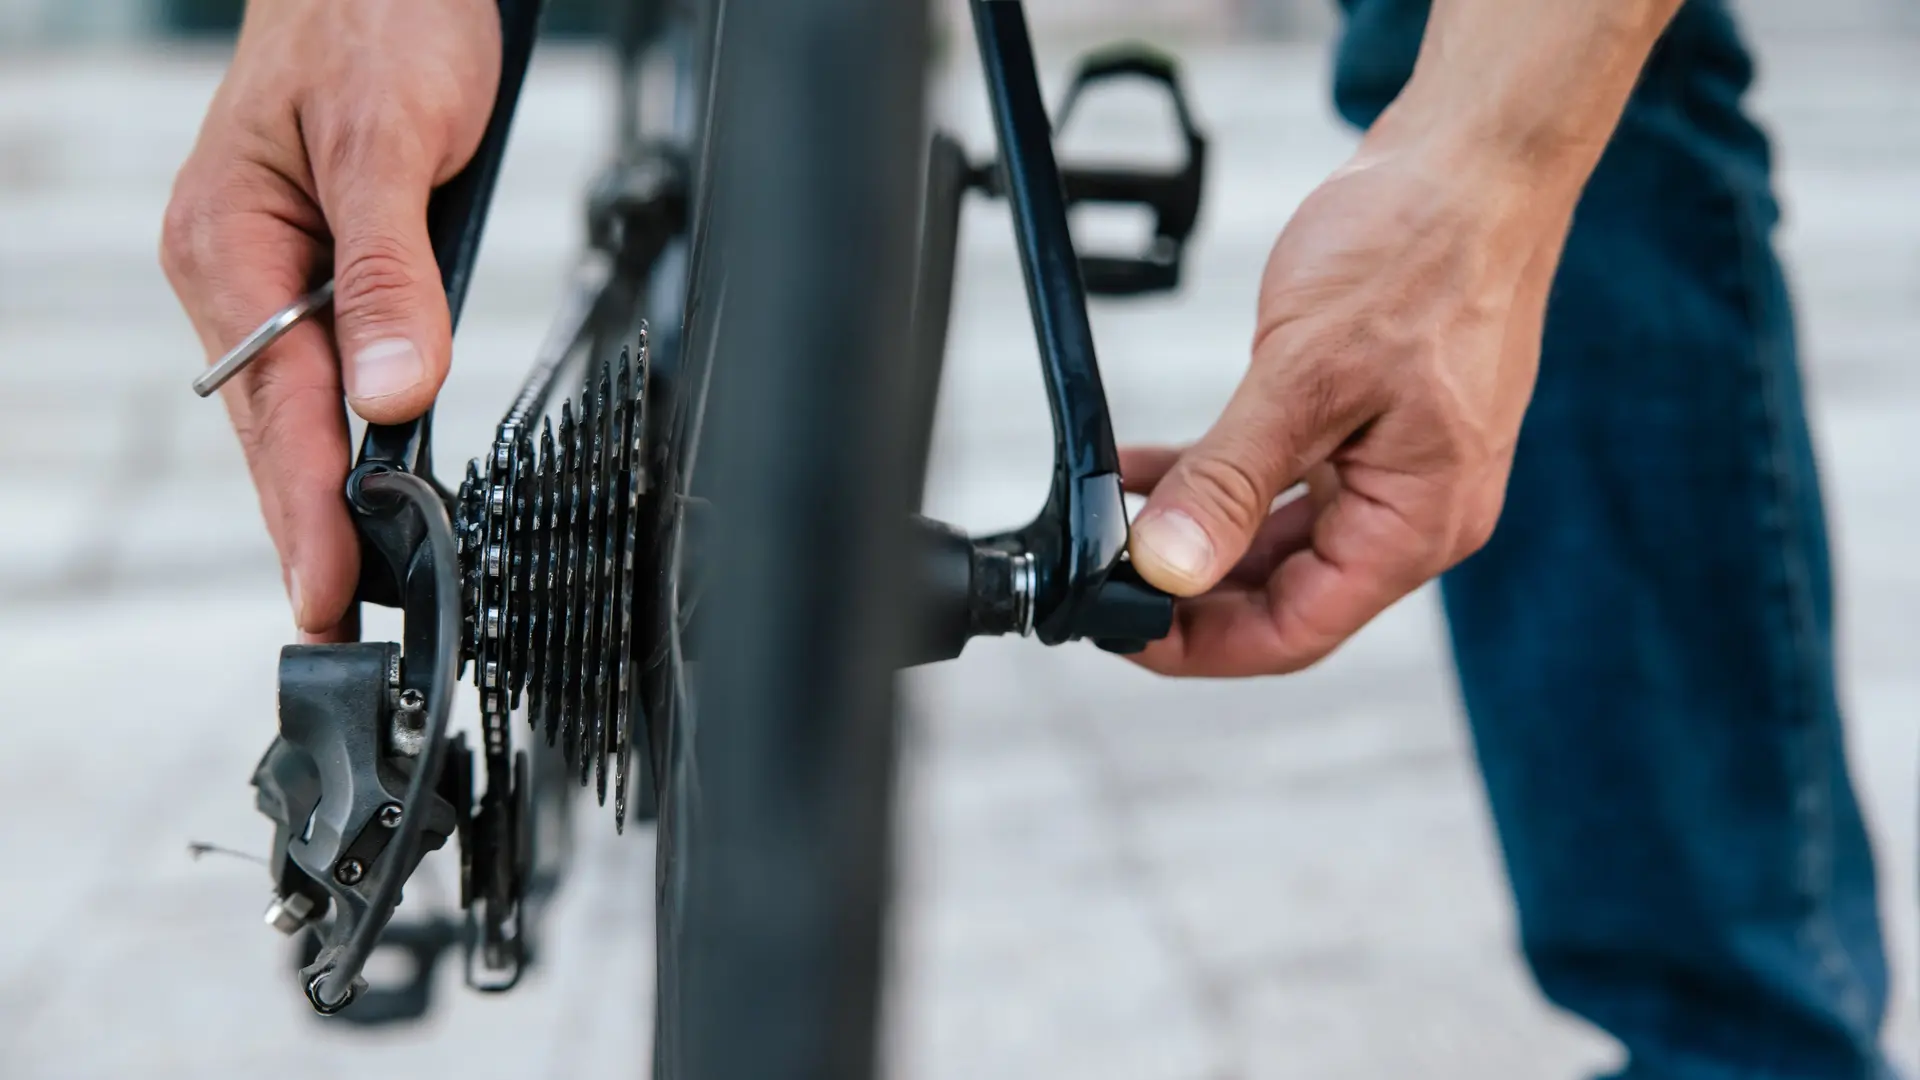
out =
column 1365, row 555
column 233, row 267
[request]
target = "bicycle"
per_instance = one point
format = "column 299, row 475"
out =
column 741, row 622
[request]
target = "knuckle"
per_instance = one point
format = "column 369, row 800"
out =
column 1321, row 385
column 1391, row 341
column 1337, row 398
column 1475, row 534
column 1412, row 534
column 440, row 105
column 187, row 220
column 1482, row 518
column 223, row 213
column 1224, row 491
column 1464, row 437
column 362, row 134
column 377, row 282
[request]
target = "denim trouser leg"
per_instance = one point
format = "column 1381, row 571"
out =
column 1645, row 645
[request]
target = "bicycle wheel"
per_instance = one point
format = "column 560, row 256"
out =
column 789, row 431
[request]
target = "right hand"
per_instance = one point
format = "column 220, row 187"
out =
column 335, row 122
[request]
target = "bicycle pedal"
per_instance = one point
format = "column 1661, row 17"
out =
column 1173, row 196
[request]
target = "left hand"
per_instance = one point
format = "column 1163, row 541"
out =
column 1395, row 350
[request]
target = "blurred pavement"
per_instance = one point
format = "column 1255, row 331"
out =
column 1107, row 874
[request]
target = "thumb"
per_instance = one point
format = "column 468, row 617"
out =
column 389, row 309
column 1203, row 515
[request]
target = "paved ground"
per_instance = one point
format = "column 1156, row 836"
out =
column 1109, row 876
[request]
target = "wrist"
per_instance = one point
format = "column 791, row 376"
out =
column 1485, row 146
column 1457, row 181
column 1527, row 96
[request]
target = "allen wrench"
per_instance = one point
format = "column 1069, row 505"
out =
column 264, row 335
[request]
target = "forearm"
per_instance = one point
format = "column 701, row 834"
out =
column 1530, row 87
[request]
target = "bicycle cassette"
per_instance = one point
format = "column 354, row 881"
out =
column 549, row 529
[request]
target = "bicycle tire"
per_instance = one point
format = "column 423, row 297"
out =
column 776, row 754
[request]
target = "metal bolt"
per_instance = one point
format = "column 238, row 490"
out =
column 349, row 871
column 408, row 735
column 389, row 816
column 289, row 913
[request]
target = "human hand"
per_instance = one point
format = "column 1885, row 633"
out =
column 335, row 121
column 1394, row 353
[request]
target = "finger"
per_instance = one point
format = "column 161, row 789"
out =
column 1288, row 528
column 286, row 409
column 235, row 259
column 1365, row 554
column 1219, row 635
column 1203, row 513
column 1142, row 467
column 389, row 309
column 347, row 629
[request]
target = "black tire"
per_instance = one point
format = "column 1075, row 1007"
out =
column 776, row 750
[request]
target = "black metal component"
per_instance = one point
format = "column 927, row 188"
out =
column 325, row 780
column 637, row 206
column 398, row 565
column 496, row 934
column 1125, row 613
column 456, row 218
column 964, row 590
column 415, row 733
column 1173, row 196
column 1063, row 577
column 1083, row 436
column 552, row 597
column 547, row 554
column 423, row 942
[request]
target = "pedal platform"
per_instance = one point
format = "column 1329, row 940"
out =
column 1172, row 196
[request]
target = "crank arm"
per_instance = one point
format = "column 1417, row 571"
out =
column 1065, row 575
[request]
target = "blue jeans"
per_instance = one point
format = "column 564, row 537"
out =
column 1645, row 646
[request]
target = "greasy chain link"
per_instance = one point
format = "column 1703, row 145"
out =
column 547, row 538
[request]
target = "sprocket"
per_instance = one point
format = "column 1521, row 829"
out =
column 548, row 544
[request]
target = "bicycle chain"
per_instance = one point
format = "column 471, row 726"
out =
column 548, row 542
